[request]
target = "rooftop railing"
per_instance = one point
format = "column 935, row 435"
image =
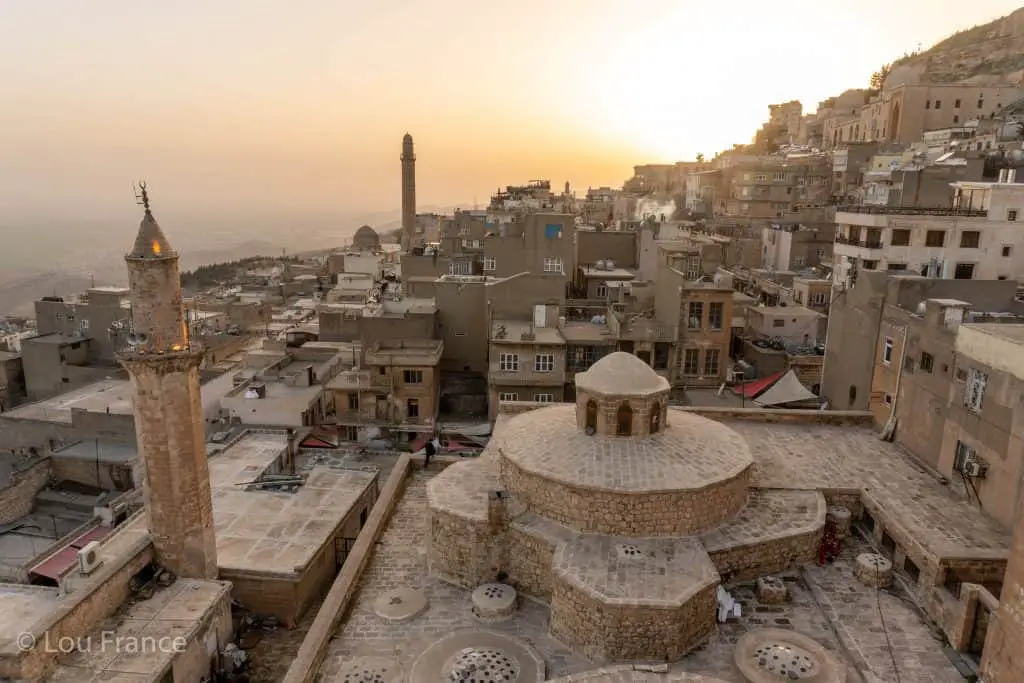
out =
column 911, row 210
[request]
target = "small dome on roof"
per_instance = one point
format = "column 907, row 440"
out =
column 621, row 373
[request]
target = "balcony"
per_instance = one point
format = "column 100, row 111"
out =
column 854, row 242
column 911, row 211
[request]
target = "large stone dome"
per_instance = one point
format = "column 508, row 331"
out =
column 366, row 238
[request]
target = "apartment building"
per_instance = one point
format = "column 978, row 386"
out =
column 776, row 187
column 855, row 337
column 813, row 293
column 796, row 247
column 977, row 237
column 536, row 243
column 527, row 360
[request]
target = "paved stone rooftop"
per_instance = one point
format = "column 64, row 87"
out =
column 660, row 572
column 827, row 604
column 769, row 514
column 270, row 531
column 801, row 456
column 175, row 611
column 691, row 454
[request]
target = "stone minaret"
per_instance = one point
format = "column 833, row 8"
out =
column 164, row 366
column 408, row 193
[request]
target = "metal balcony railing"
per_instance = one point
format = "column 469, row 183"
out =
column 911, row 210
column 854, row 242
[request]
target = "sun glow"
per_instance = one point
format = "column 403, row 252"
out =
column 156, row 248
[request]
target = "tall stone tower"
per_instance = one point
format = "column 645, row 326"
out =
column 408, row 193
column 164, row 366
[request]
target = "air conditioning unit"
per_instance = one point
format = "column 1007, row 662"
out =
column 975, row 468
column 89, row 558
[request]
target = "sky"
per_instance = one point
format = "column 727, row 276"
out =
column 256, row 108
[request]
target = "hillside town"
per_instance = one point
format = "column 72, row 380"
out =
column 743, row 419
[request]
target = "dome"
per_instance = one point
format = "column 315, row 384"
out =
column 366, row 238
column 621, row 373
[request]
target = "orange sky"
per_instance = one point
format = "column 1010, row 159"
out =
column 250, row 105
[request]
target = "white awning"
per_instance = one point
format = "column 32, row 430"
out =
column 787, row 389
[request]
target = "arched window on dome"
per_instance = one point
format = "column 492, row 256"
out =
column 624, row 420
column 655, row 425
column 591, row 416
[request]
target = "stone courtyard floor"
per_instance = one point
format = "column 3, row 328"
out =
column 828, row 604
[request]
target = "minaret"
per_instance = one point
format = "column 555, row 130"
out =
column 408, row 193
column 169, row 428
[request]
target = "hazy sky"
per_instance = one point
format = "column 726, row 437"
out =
column 252, row 106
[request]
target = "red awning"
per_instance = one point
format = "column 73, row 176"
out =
column 316, row 442
column 455, row 447
column 752, row 389
column 95, row 534
column 421, row 443
column 58, row 564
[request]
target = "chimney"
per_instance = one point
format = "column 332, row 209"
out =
column 497, row 513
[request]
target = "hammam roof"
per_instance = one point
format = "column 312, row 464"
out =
column 621, row 373
column 150, row 242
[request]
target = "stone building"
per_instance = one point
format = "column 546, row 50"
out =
column 623, row 532
column 527, row 361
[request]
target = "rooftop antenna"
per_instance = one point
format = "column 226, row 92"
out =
column 142, row 195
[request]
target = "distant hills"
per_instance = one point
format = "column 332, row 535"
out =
column 983, row 55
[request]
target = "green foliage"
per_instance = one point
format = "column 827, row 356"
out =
column 213, row 274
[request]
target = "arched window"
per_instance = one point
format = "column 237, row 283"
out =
column 624, row 420
column 655, row 418
column 591, row 424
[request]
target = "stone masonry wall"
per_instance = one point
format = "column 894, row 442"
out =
column 748, row 562
column 603, row 632
column 458, row 550
column 670, row 513
column 529, row 563
column 17, row 499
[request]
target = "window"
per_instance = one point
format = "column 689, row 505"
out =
column 412, row 376
column 591, row 416
column 463, row 231
column 927, row 104
column 1007, row 250
column 509, row 362
column 1011, row 214
column 819, row 299
column 655, row 421
column 552, row 264
column 761, row 177
column 778, row 322
column 544, row 398
column 779, row 175
column 490, row 263
column 624, row 420
column 84, row 324
column 820, row 253
column 353, row 401
column 460, row 268
column 508, row 396
column 1001, row 277
column 927, row 362
column 956, row 119
column 956, row 104
column 970, row 239
column 963, row 271
column 412, row 407
column 476, row 244
column 887, row 351
column 935, row 238
column 938, row 104
column 981, row 104
column 870, row 265
column 716, row 314
column 544, row 362
column 975, row 389
column 896, row 266
column 602, row 291
column 691, row 362
column 695, row 318
column 711, row 364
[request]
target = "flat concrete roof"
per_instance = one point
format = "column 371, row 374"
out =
column 515, row 329
column 112, row 394
column 99, row 450
column 272, row 532
column 579, row 331
column 1007, row 332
